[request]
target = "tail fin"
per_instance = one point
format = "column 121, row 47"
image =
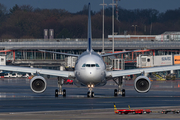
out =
column 89, row 29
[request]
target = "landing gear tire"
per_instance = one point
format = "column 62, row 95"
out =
column 64, row 93
column 88, row 94
column 56, row 93
column 123, row 92
column 92, row 94
column 115, row 92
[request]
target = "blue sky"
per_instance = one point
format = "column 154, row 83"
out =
column 77, row 5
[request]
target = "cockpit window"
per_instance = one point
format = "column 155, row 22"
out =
column 88, row 65
column 97, row 65
column 93, row 65
column 84, row 65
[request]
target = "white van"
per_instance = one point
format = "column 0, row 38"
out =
column 7, row 75
column 26, row 75
column 16, row 75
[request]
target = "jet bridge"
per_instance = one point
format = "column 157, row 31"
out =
column 117, row 63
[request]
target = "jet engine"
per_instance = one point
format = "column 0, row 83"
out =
column 38, row 84
column 142, row 84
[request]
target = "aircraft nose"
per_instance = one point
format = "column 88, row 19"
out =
column 90, row 75
column 93, row 75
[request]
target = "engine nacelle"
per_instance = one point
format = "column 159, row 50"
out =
column 38, row 84
column 142, row 84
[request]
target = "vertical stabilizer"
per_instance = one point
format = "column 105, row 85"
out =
column 89, row 29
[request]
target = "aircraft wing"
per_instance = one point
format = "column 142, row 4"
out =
column 110, row 54
column 141, row 70
column 37, row 70
column 68, row 54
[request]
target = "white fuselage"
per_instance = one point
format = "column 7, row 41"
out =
column 90, row 70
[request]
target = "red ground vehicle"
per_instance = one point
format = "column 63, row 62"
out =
column 68, row 81
column 135, row 111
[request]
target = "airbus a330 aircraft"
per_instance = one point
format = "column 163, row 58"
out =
column 90, row 71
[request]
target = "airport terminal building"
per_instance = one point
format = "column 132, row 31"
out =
column 25, row 52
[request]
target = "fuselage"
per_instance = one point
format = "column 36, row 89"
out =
column 90, row 70
column 90, row 67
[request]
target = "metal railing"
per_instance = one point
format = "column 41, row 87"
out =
column 85, row 39
column 95, row 44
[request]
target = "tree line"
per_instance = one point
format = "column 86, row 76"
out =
column 28, row 22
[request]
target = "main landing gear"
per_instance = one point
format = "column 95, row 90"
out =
column 120, row 85
column 60, row 91
column 90, row 93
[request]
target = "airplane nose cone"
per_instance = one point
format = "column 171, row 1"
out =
column 90, row 76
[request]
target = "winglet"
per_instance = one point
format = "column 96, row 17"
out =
column 89, row 29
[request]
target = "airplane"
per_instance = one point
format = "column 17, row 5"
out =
column 90, row 71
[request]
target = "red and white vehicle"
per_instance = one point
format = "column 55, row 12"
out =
column 135, row 111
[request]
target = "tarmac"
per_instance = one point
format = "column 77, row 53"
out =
column 17, row 101
column 100, row 114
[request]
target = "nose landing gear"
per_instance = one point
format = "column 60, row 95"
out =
column 90, row 93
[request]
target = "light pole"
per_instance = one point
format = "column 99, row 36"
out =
column 134, row 28
column 112, row 24
column 103, row 26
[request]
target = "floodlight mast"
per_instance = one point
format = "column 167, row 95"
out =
column 117, row 16
column 103, row 27
column 113, row 24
